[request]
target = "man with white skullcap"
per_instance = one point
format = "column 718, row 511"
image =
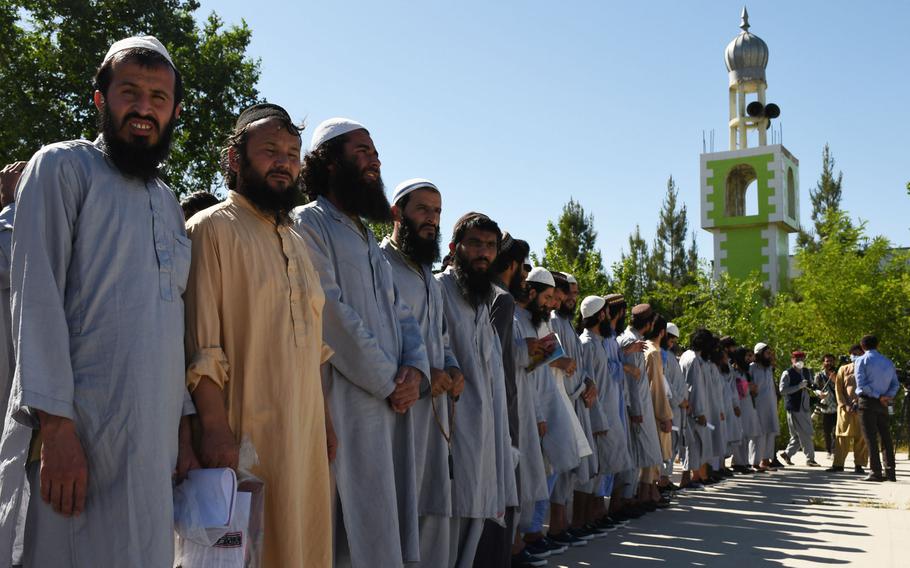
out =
column 99, row 265
column 380, row 364
column 555, row 421
column 679, row 400
column 411, row 251
column 762, row 371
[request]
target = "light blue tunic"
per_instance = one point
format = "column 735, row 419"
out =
column 99, row 263
column 7, row 360
column 607, row 415
column 373, row 334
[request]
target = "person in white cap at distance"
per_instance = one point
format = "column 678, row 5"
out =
column 579, row 394
column 100, row 261
column 554, row 418
column 380, row 363
column 482, row 450
column 604, row 412
column 411, row 251
column 679, row 401
column 762, row 450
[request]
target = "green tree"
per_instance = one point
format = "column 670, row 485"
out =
column 51, row 49
column 670, row 260
column 570, row 248
column 631, row 275
column 826, row 201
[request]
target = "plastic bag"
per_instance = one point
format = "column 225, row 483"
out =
column 240, row 545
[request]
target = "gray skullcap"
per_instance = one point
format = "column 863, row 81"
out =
column 541, row 276
column 591, row 305
column 413, row 184
column 141, row 42
column 333, row 128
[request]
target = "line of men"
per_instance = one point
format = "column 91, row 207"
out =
column 397, row 416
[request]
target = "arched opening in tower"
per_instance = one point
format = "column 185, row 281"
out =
column 742, row 192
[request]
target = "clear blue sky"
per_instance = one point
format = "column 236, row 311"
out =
column 513, row 107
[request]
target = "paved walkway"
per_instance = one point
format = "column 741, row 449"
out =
column 795, row 517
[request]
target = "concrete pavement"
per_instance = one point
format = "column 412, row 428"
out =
column 795, row 517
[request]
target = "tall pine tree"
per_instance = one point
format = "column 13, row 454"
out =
column 632, row 274
column 570, row 247
column 826, row 199
column 670, row 261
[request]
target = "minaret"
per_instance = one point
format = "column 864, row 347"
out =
column 750, row 195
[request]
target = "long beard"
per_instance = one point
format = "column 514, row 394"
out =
column 275, row 203
column 566, row 311
column 415, row 247
column 135, row 158
column 476, row 285
column 621, row 325
column 356, row 196
column 538, row 313
column 516, row 286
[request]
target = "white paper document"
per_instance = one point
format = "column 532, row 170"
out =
column 206, row 499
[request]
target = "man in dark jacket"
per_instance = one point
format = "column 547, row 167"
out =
column 794, row 387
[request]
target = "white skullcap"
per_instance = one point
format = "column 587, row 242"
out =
column 409, row 185
column 541, row 276
column 143, row 42
column 759, row 347
column 672, row 329
column 571, row 279
column 333, row 128
column 591, row 305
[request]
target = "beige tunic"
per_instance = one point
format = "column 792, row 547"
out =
column 845, row 390
column 254, row 327
column 662, row 410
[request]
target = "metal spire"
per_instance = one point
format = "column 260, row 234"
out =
column 744, row 25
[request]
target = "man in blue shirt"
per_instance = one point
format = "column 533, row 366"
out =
column 876, row 385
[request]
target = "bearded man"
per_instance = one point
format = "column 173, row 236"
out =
column 484, row 476
column 254, row 338
column 380, row 363
column 411, row 251
column 99, row 265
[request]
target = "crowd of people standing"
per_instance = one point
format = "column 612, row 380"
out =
column 399, row 416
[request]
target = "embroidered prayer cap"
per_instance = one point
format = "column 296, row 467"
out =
column 643, row 311
column 591, row 305
column 333, row 128
column 260, row 111
column 614, row 299
column 409, row 185
column 571, row 279
column 672, row 329
column 759, row 347
column 141, row 42
column 541, row 276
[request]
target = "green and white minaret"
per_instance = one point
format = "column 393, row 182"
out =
column 750, row 195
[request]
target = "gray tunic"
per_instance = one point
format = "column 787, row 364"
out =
column 607, row 414
column 698, row 438
column 679, row 390
column 765, row 398
column 7, row 360
column 98, row 268
column 533, row 472
column 373, row 333
column 645, row 448
column 734, row 428
column 717, row 401
column 420, row 290
column 484, row 482
column 575, row 386
column 751, row 427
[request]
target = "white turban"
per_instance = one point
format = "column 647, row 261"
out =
column 409, row 185
column 333, row 128
column 541, row 276
column 143, row 42
column 591, row 305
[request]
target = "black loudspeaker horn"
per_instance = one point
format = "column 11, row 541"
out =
column 772, row 110
column 755, row 108
column 767, row 124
